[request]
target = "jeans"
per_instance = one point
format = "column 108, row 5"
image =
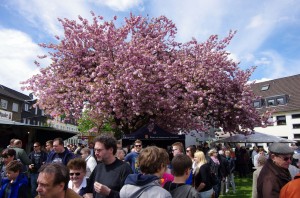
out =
column 230, row 181
column 206, row 194
column 33, row 182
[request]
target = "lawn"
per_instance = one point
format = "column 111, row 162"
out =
column 243, row 188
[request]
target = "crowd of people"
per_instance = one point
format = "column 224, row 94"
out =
column 105, row 169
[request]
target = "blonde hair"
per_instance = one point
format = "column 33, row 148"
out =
column 202, row 160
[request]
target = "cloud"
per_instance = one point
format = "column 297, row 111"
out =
column 120, row 5
column 44, row 14
column 17, row 55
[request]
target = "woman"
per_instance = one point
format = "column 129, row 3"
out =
column 202, row 176
column 78, row 181
column 230, row 177
column 215, row 165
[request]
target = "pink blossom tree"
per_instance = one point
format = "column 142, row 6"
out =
column 137, row 73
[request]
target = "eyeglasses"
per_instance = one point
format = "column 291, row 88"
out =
column 77, row 174
column 137, row 145
column 285, row 158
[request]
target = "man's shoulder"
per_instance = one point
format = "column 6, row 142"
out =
column 71, row 194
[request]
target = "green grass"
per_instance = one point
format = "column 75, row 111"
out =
column 243, row 188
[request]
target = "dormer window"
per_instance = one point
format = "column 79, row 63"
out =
column 258, row 103
column 265, row 87
column 276, row 100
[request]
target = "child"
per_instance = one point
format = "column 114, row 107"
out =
column 182, row 167
column 16, row 184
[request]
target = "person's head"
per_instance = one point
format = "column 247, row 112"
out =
column 199, row 157
column 119, row 144
column 8, row 155
column 212, row 152
column 205, row 145
column 77, row 168
column 49, row 145
column 255, row 148
column 153, row 160
column 91, row 145
column 261, row 151
column 261, row 160
column 105, row 148
column 227, row 153
column 281, row 154
column 138, row 145
column 190, row 151
column 52, row 180
column 182, row 165
column 13, row 169
column 37, row 147
column 18, row 143
column 177, row 148
column 120, row 154
column 11, row 142
column 85, row 152
column 58, row 145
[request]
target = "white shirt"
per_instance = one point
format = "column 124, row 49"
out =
column 90, row 165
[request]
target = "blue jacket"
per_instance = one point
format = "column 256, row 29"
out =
column 66, row 156
column 18, row 187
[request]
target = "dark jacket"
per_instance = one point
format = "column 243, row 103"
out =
column 231, row 165
column 271, row 179
column 66, row 156
column 18, row 187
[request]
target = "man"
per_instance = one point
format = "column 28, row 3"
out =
column 53, row 182
column 38, row 158
column 131, row 158
column 90, row 161
column 177, row 148
column 49, row 146
column 11, row 143
column 275, row 174
column 21, row 154
column 108, row 177
column 182, row 166
column 60, row 154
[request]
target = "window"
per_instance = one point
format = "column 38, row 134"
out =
column 271, row 102
column 297, row 136
column 256, row 104
column 281, row 120
column 295, row 116
column 265, row 87
column 280, row 101
column 15, row 107
column 3, row 104
column 296, row 126
column 277, row 100
column 26, row 107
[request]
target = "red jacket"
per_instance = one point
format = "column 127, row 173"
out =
column 291, row 189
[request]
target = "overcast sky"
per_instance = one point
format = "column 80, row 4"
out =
column 268, row 31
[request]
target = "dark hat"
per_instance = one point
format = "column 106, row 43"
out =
column 280, row 148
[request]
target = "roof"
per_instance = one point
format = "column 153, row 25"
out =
column 13, row 94
column 282, row 86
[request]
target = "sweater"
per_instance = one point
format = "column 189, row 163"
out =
column 113, row 176
column 18, row 188
column 146, row 186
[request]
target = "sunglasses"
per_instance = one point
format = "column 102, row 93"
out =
column 285, row 158
column 137, row 145
column 77, row 174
